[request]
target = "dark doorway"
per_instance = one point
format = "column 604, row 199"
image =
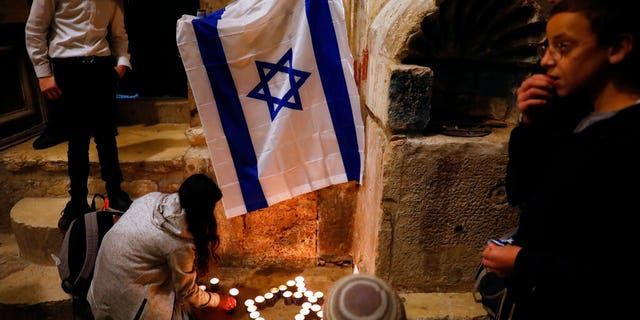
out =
column 157, row 68
column 21, row 104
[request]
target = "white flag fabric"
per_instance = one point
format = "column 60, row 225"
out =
column 274, row 86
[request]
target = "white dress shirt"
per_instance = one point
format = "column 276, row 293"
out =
column 75, row 28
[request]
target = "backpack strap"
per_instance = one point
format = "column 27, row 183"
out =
column 62, row 262
column 92, row 235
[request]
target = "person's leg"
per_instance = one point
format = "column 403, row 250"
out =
column 105, row 138
column 70, row 80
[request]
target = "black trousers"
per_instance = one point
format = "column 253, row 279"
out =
column 89, row 95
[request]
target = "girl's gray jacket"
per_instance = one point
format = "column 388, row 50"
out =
column 145, row 264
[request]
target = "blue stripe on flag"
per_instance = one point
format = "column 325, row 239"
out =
column 325, row 47
column 230, row 110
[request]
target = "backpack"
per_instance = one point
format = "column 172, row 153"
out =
column 80, row 248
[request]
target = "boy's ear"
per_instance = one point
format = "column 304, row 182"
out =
column 621, row 48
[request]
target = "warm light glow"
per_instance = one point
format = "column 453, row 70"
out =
column 259, row 299
column 233, row 292
column 312, row 299
column 291, row 283
column 254, row 315
column 299, row 279
column 268, row 295
column 248, row 302
column 214, row 281
column 287, row 294
column 319, row 294
column 202, row 287
column 316, row 308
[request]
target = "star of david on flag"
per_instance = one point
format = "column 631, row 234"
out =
column 296, row 79
column 274, row 87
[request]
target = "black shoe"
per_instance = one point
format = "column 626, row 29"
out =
column 119, row 200
column 48, row 139
column 74, row 209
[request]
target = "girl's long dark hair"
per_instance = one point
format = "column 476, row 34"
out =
column 198, row 196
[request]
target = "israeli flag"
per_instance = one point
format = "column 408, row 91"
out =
column 274, row 86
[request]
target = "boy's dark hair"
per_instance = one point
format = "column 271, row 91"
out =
column 609, row 20
column 198, row 197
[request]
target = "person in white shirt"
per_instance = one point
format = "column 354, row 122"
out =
column 79, row 51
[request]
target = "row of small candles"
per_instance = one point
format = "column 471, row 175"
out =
column 294, row 292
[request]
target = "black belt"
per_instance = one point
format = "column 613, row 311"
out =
column 84, row 60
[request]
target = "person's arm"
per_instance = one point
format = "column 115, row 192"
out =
column 119, row 40
column 36, row 35
column 184, row 280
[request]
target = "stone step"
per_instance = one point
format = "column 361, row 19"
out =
column 34, row 222
column 153, row 158
column 32, row 291
column 28, row 290
column 153, row 111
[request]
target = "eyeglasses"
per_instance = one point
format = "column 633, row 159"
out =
column 557, row 50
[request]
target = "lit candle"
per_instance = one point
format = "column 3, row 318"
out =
column 297, row 298
column 215, row 284
column 315, row 308
column 320, row 314
column 252, row 309
column 308, row 294
column 288, row 297
column 306, row 305
column 233, row 292
column 254, row 315
column 260, row 302
column 249, row 302
column 202, row 287
column 276, row 294
column 299, row 279
column 291, row 285
column 305, row 312
column 299, row 317
column 269, row 299
column 320, row 297
column 312, row 299
column 282, row 288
